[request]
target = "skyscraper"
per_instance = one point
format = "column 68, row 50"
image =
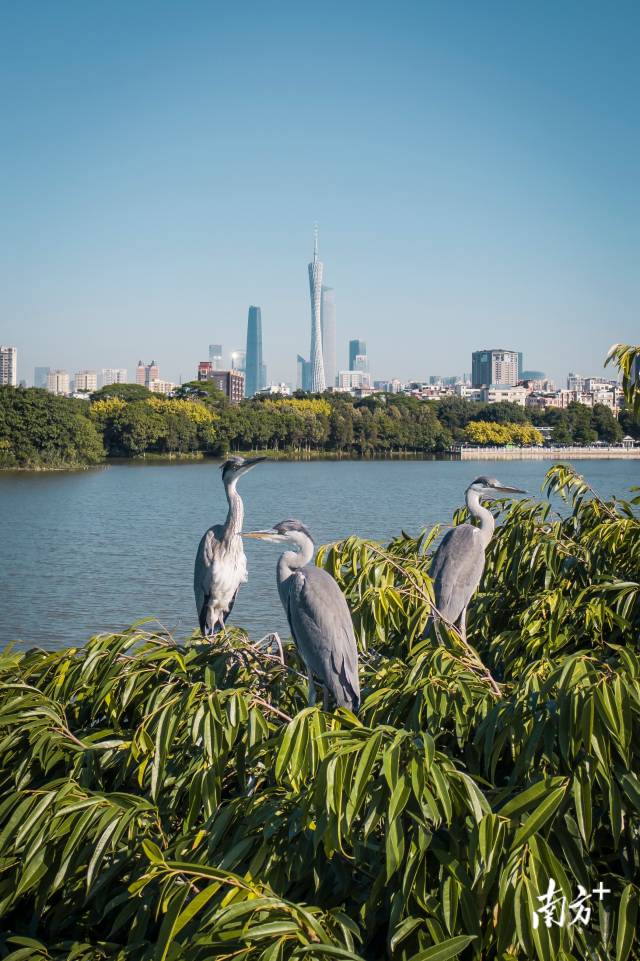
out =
column 303, row 378
column 146, row 373
column 113, row 375
column 215, row 356
column 328, row 323
column 497, row 367
column 9, row 366
column 316, row 268
column 40, row 375
column 358, row 359
column 86, row 381
column 253, row 362
column 238, row 359
column 58, row 382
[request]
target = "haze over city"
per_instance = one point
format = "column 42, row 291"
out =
column 473, row 171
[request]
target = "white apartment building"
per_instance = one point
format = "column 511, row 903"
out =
column 113, row 375
column 86, row 381
column 280, row 388
column 9, row 366
column 58, row 382
column 513, row 395
column 157, row 386
column 353, row 379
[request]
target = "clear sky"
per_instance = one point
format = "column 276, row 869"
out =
column 474, row 169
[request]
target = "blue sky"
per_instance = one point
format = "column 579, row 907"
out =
column 473, row 168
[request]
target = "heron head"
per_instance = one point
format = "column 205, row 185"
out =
column 491, row 487
column 290, row 531
column 235, row 467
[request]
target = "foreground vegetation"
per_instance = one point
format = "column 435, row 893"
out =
column 38, row 429
column 180, row 801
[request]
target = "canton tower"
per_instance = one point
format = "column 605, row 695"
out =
column 316, row 363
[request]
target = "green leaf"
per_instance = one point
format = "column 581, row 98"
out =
column 627, row 922
column 526, row 799
column 538, row 818
column 445, row 950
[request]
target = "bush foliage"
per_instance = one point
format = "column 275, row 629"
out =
column 165, row 800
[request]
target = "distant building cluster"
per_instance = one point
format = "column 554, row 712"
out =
column 497, row 374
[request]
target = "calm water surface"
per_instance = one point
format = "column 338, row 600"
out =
column 91, row 551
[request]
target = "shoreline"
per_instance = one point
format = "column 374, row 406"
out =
column 547, row 453
column 456, row 454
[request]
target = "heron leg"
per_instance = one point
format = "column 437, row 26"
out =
column 325, row 699
column 271, row 641
column 311, row 700
column 278, row 644
column 462, row 624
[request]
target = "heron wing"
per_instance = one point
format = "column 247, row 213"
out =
column 322, row 628
column 456, row 570
column 208, row 547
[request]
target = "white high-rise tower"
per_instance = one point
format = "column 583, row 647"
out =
column 316, row 267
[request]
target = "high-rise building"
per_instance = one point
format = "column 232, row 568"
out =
column 575, row 382
column 86, row 381
column 113, row 375
column 58, row 382
column 303, row 379
column 496, row 367
column 253, row 362
column 352, row 379
column 40, row 375
column 316, row 268
column 9, row 366
column 328, row 324
column 358, row 359
column 215, row 356
column 230, row 382
column 520, row 364
column 145, row 373
column 238, row 359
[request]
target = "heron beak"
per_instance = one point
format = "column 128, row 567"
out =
column 267, row 535
column 248, row 465
column 510, row 490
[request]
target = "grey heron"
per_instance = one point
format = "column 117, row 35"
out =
column 458, row 564
column 318, row 616
column 221, row 564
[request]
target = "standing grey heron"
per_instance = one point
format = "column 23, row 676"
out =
column 457, row 565
column 318, row 616
column 221, row 565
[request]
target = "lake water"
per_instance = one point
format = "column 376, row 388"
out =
column 92, row 551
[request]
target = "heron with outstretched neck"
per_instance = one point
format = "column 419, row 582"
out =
column 458, row 564
column 318, row 616
column 221, row 564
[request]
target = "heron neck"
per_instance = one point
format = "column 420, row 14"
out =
column 235, row 515
column 293, row 560
column 486, row 518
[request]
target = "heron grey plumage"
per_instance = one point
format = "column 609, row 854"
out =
column 221, row 564
column 318, row 616
column 458, row 564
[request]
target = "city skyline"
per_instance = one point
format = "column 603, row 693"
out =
column 484, row 186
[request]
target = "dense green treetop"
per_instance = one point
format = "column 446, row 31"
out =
column 127, row 392
column 126, row 420
column 38, row 429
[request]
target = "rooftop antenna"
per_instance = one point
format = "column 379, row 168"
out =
column 315, row 241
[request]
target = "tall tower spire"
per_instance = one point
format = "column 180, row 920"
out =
column 316, row 361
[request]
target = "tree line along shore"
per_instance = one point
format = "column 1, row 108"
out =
column 41, row 430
